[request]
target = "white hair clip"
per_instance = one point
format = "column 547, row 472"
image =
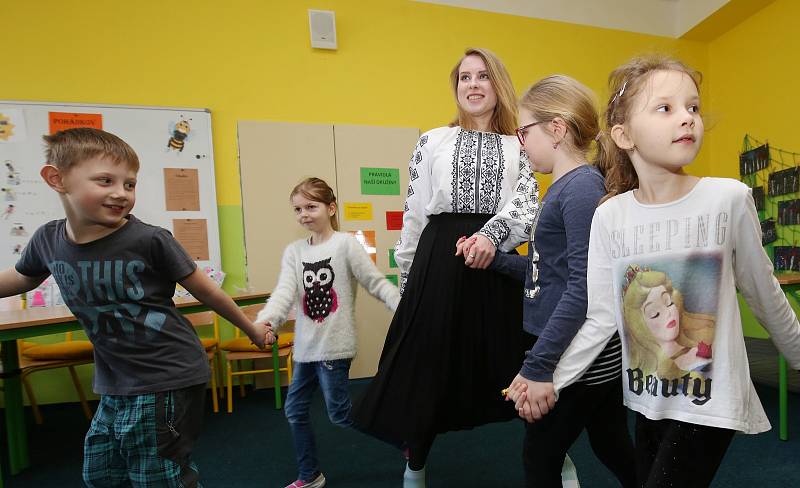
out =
column 621, row 91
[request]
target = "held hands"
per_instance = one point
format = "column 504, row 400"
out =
column 478, row 251
column 261, row 334
column 532, row 399
column 271, row 337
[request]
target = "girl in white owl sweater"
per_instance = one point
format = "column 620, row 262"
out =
column 319, row 276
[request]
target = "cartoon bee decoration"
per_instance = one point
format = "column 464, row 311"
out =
column 179, row 135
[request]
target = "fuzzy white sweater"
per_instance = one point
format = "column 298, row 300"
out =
column 321, row 281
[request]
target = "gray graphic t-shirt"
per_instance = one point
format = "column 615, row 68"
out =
column 120, row 288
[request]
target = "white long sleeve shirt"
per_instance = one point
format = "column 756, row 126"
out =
column 708, row 243
column 453, row 170
column 320, row 281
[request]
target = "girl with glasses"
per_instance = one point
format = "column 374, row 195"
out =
column 559, row 124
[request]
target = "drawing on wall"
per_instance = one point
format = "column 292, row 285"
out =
column 12, row 176
column 179, row 131
column 18, row 230
column 12, row 125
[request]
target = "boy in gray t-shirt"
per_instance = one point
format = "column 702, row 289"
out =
column 117, row 275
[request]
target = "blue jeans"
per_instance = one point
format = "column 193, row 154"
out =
column 332, row 377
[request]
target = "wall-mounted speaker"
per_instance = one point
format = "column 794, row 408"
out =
column 322, row 24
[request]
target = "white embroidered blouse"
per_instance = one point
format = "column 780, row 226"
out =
column 454, row 170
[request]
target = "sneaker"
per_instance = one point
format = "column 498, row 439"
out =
column 414, row 479
column 317, row 482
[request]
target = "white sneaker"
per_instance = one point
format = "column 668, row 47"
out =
column 414, row 479
column 569, row 475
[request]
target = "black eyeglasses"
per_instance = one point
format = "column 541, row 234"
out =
column 521, row 131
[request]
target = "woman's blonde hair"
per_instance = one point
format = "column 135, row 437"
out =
column 624, row 84
column 560, row 96
column 317, row 190
column 504, row 116
column 644, row 351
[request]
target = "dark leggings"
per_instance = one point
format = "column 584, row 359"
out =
column 596, row 408
column 418, row 452
column 671, row 453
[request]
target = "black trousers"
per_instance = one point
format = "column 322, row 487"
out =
column 671, row 453
column 596, row 408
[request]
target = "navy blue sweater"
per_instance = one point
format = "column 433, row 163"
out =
column 554, row 271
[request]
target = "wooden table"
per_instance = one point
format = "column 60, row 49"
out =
column 33, row 322
column 790, row 283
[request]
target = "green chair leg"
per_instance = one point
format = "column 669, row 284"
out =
column 783, row 398
column 276, row 360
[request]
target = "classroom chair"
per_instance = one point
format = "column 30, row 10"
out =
column 68, row 354
column 240, row 349
column 199, row 321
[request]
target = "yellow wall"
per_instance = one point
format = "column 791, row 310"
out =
column 251, row 60
column 753, row 79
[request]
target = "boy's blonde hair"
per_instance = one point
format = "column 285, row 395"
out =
column 316, row 190
column 69, row 147
column 624, row 84
column 504, row 116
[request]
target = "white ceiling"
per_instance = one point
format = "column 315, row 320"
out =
column 668, row 18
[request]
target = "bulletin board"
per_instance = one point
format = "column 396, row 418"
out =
column 366, row 166
column 774, row 176
column 175, row 187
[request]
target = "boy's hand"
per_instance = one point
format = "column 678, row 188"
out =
column 258, row 334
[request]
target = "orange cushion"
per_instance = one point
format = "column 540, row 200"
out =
column 243, row 344
column 208, row 344
column 61, row 350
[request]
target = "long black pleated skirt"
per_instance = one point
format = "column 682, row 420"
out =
column 455, row 342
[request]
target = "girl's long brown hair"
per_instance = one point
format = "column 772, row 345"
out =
column 504, row 117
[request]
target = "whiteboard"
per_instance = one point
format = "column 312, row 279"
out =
column 26, row 202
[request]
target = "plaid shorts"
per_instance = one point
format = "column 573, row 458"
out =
column 144, row 441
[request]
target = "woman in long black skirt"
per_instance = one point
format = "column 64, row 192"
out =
column 456, row 339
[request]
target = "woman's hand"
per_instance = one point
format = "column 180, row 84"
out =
column 479, row 252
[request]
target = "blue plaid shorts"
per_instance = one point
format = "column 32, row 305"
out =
column 144, row 441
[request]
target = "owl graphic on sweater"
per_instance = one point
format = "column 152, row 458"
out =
column 319, row 298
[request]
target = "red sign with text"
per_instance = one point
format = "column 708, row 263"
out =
column 64, row 120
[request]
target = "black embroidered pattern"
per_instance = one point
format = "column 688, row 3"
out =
column 403, row 278
column 497, row 231
column 477, row 174
column 491, row 177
